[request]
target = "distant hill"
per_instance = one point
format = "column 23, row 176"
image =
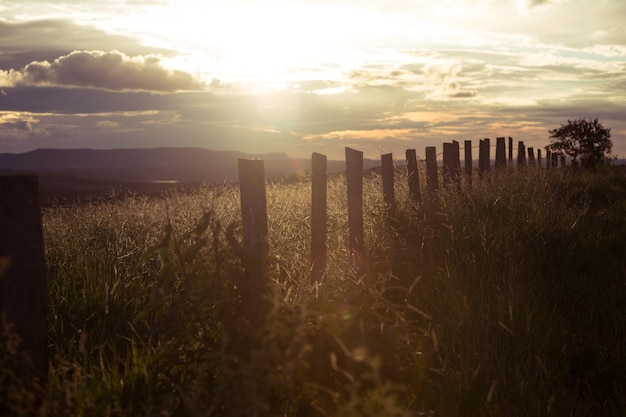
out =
column 180, row 164
column 69, row 173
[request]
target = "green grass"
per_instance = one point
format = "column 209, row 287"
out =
column 503, row 298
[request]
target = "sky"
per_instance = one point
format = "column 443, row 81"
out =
column 304, row 76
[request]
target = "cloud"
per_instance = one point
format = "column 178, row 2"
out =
column 488, row 72
column 46, row 39
column 112, row 70
column 463, row 94
column 534, row 3
column 525, row 5
column 19, row 128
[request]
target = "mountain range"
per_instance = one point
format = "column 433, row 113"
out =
column 78, row 173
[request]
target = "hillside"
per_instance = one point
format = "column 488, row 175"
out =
column 78, row 173
column 503, row 297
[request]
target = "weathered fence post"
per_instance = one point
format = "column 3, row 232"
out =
column 451, row 162
column 448, row 163
column 481, row 156
column 531, row 157
column 548, row 159
column 413, row 175
column 521, row 154
column 456, row 153
column 487, row 154
column 388, row 192
column 254, row 221
column 555, row 160
column 539, row 158
column 23, row 281
column 432, row 178
column 510, row 151
column 468, row 160
column 484, row 163
column 354, row 174
column 319, row 205
column 500, row 153
column 253, row 206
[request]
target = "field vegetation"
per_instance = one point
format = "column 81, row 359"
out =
column 504, row 297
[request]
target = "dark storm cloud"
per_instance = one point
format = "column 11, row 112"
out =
column 105, row 70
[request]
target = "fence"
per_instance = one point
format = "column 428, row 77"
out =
column 23, row 283
column 450, row 173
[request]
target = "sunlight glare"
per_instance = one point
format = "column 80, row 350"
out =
column 248, row 41
column 264, row 44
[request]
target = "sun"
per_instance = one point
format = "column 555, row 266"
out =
column 269, row 43
column 255, row 42
column 263, row 43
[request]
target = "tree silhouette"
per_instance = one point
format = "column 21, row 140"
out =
column 584, row 140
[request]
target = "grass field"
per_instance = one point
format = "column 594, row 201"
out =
column 503, row 298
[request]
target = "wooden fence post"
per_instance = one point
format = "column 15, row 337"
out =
column 548, row 159
column 432, row 178
column 254, row 221
column 388, row 192
column 555, row 160
column 456, row 154
column 319, row 205
column 521, row 154
column 448, row 163
column 484, row 163
column 481, row 156
column 562, row 158
column 500, row 153
column 531, row 157
column 510, row 151
column 487, row 142
column 468, row 160
column 413, row 175
column 451, row 162
column 354, row 174
column 539, row 158
column 23, row 281
column 253, row 206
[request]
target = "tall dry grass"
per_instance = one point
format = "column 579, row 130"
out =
column 503, row 297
